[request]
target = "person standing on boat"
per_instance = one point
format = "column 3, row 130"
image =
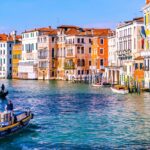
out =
column 10, row 106
column 3, row 88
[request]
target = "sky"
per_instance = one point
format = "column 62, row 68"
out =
column 22, row 15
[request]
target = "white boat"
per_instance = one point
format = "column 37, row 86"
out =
column 119, row 91
column 97, row 85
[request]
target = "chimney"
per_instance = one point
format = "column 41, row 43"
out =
column 13, row 34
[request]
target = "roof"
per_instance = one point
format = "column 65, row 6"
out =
column 44, row 29
column 78, row 31
column 50, row 32
column 138, row 19
column 9, row 38
column 147, row 1
column 129, row 22
column 139, row 58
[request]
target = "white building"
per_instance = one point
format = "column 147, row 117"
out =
column 146, row 52
column 113, row 71
column 6, row 45
column 130, row 43
column 112, row 51
column 28, row 65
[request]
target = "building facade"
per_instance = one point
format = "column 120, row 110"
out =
column 74, row 52
column 47, row 55
column 6, row 45
column 146, row 52
column 16, row 57
column 28, row 66
column 99, row 51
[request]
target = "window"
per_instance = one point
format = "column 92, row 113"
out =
column 101, row 51
column 90, row 41
column 82, row 40
column 136, row 66
column 53, row 53
column 78, row 40
column 82, row 71
column 102, row 41
column 102, row 62
column 83, row 62
column 78, row 72
column 53, row 39
column 82, row 50
column 90, row 50
column 78, row 50
column 89, row 63
column 87, row 71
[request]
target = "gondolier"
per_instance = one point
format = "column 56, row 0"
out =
column 3, row 93
column 3, row 88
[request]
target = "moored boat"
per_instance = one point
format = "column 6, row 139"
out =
column 12, row 122
column 97, row 85
column 106, row 84
column 120, row 90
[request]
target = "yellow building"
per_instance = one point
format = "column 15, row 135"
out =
column 16, row 56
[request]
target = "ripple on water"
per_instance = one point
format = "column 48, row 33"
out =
column 76, row 116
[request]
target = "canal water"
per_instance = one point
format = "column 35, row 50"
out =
column 78, row 116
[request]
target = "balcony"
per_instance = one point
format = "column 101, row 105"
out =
column 146, row 68
column 70, row 55
column 68, row 66
column 42, row 57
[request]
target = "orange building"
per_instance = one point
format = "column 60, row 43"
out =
column 100, row 50
column 76, row 53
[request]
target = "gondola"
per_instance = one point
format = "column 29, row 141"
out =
column 3, row 94
column 10, row 123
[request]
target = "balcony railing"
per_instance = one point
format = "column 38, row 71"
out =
column 69, row 66
column 42, row 57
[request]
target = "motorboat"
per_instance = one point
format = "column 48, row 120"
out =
column 14, row 121
column 120, row 90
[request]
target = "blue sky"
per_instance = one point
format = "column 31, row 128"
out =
column 26, row 14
